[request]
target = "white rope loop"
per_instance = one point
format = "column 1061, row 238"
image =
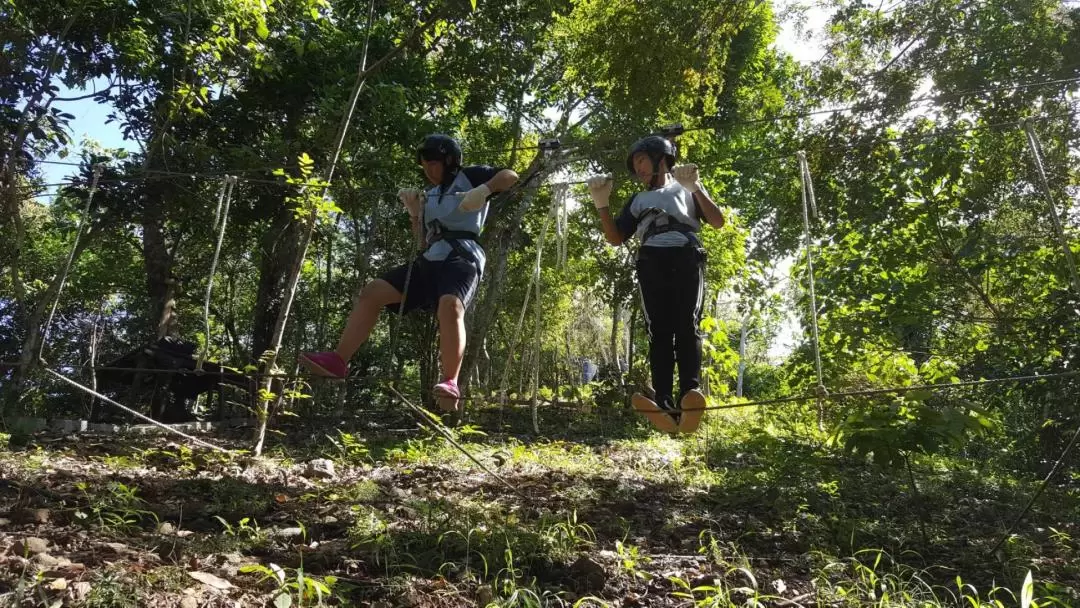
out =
column 808, row 203
column 534, row 280
column 221, row 218
column 84, row 219
column 1035, row 147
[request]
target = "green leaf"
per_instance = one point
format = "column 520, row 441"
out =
column 261, row 30
column 473, row 5
column 283, row 600
column 1027, row 592
column 918, row 395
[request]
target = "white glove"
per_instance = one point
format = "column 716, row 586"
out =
column 600, row 189
column 687, row 176
column 412, row 199
column 474, row 199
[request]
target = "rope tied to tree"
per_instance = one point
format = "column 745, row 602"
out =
column 221, row 218
column 560, row 193
column 1035, row 147
column 809, row 205
column 533, row 281
column 166, row 427
column 84, row 219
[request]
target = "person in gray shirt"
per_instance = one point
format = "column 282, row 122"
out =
column 447, row 219
column 666, row 218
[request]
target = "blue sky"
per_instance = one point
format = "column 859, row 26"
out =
column 89, row 122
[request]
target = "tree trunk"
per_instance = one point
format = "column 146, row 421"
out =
column 33, row 328
column 14, row 204
column 279, row 246
column 615, row 317
column 742, row 356
column 484, row 311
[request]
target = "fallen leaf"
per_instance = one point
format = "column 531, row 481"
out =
column 80, row 590
column 211, row 580
column 281, row 498
column 58, row 584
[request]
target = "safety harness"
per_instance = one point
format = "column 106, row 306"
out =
column 665, row 222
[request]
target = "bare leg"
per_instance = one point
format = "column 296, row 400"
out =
column 451, row 335
column 369, row 303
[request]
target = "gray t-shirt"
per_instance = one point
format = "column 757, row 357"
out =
column 673, row 201
column 442, row 206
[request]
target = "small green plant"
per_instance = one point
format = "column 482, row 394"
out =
column 247, row 527
column 565, row 538
column 350, row 448
column 370, row 534
column 631, row 559
column 294, row 585
column 513, row 593
column 118, row 508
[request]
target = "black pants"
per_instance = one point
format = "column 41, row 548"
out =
column 672, row 283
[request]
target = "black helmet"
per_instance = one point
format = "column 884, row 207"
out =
column 657, row 148
column 440, row 147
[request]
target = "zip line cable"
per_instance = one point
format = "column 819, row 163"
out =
column 855, row 108
column 754, row 161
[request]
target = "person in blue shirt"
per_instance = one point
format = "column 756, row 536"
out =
column 447, row 219
column 666, row 218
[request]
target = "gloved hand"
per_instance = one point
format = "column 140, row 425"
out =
column 687, row 176
column 600, row 189
column 413, row 200
column 474, row 199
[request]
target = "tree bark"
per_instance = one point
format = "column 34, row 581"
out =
column 33, row 329
column 615, row 318
column 504, row 237
column 279, row 245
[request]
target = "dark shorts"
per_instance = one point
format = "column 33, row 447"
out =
column 430, row 281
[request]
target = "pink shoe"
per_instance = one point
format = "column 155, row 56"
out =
column 448, row 394
column 329, row 365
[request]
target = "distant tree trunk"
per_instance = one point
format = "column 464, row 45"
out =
column 33, row 329
column 95, row 338
column 276, row 254
column 485, row 309
column 157, row 262
column 615, row 310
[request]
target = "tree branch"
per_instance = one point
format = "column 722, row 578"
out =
column 87, row 96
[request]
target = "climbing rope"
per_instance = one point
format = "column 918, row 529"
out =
column 1035, row 147
column 809, row 205
column 141, row 416
column 84, row 219
column 221, row 217
column 539, row 314
column 395, row 331
column 561, row 193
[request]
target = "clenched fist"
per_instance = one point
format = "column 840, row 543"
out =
column 412, row 199
column 600, row 190
column 687, row 176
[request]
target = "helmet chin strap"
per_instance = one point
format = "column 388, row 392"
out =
column 655, row 173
